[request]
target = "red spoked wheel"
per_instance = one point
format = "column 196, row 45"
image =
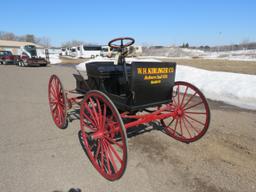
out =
column 191, row 113
column 103, row 135
column 57, row 102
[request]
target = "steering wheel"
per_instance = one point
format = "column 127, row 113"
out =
column 123, row 44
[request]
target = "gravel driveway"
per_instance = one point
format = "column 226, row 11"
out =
column 35, row 156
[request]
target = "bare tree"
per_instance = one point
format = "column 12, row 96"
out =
column 244, row 44
column 44, row 41
column 30, row 38
column 7, row 36
column 75, row 43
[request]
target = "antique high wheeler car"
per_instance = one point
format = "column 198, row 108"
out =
column 114, row 96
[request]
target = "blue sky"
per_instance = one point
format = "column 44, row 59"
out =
column 151, row 22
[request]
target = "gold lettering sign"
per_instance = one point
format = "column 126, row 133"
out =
column 155, row 74
column 154, row 70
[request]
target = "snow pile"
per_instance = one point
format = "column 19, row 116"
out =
column 187, row 53
column 54, row 58
column 172, row 52
column 233, row 88
column 240, row 55
column 53, row 55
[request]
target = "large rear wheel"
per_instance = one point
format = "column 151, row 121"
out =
column 191, row 113
column 57, row 102
column 103, row 135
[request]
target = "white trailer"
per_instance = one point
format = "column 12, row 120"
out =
column 90, row 51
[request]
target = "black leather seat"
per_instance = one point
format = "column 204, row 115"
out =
column 105, row 69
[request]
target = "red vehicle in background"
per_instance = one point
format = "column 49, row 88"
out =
column 29, row 57
column 6, row 57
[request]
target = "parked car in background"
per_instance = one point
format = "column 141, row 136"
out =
column 65, row 51
column 73, row 52
column 6, row 57
column 29, row 57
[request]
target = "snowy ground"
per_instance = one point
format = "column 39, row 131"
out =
column 241, row 55
column 233, row 88
column 53, row 55
column 54, row 58
column 183, row 53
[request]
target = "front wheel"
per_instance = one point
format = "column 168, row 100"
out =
column 191, row 113
column 103, row 135
column 21, row 64
column 57, row 102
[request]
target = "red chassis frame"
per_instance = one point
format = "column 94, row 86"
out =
column 141, row 119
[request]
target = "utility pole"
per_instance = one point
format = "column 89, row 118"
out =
column 220, row 33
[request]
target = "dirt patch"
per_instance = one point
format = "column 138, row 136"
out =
column 247, row 67
column 202, row 186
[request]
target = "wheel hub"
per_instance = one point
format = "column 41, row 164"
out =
column 180, row 112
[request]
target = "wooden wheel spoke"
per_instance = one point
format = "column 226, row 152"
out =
column 99, row 113
column 57, row 87
column 115, row 153
column 176, row 123
column 98, row 150
column 194, row 105
column 89, row 125
column 53, row 92
column 184, row 95
column 196, row 113
column 95, row 114
column 62, row 104
column 198, row 131
column 60, row 114
column 53, row 106
column 101, row 157
column 53, row 100
column 194, row 119
column 174, row 102
column 181, row 131
column 170, row 122
column 104, row 115
column 113, row 163
column 114, row 142
column 108, row 169
column 88, row 119
column 57, row 115
column 90, row 112
column 186, row 127
column 189, row 100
